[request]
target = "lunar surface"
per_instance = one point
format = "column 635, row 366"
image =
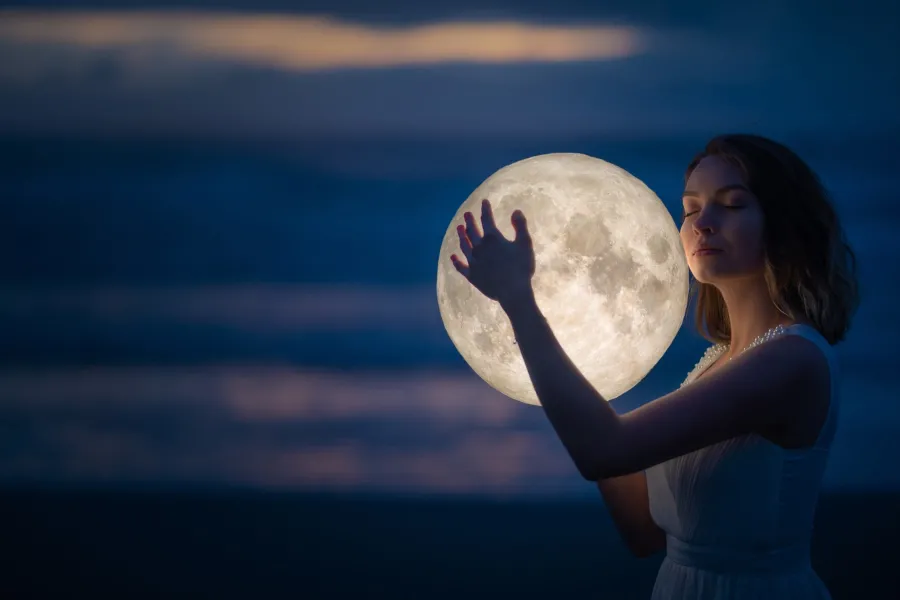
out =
column 611, row 277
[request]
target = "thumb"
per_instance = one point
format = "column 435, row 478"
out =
column 521, row 226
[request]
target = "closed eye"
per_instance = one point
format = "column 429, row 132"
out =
column 685, row 215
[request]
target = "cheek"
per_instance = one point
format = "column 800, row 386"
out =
column 749, row 233
column 755, row 227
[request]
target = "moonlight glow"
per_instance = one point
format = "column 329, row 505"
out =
column 611, row 276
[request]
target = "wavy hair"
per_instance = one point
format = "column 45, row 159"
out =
column 810, row 269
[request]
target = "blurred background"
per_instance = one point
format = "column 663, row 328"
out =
column 222, row 366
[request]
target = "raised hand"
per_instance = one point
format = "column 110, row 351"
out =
column 499, row 268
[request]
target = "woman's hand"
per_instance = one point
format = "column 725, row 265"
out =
column 500, row 269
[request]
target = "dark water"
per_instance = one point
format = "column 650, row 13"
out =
column 156, row 544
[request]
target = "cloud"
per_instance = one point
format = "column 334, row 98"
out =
column 307, row 43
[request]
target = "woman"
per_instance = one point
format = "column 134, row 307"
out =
column 723, row 473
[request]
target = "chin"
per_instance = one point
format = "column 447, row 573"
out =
column 721, row 273
column 715, row 271
column 705, row 277
column 708, row 274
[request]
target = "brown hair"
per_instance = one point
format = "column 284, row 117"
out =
column 810, row 268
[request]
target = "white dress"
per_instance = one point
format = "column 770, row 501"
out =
column 738, row 515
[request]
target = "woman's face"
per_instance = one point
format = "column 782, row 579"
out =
column 722, row 214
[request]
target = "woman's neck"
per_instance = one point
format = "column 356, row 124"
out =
column 751, row 311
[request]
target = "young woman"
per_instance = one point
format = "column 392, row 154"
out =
column 723, row 473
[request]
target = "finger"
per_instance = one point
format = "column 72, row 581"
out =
column 523, row 236
column 462, row 268
column 487, row 219
column 472, row 229
column 464, row 244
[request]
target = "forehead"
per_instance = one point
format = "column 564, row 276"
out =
column 711, row 174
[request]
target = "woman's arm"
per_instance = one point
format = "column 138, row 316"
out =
column 628, row 502
column 770, row 385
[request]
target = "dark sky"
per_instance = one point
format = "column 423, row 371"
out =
column 774, row 67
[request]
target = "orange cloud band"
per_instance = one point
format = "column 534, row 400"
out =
column 306, row 43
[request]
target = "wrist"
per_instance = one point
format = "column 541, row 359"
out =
column 521, row 301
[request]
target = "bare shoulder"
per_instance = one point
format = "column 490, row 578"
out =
column 799, row 423
column 774, row 386
column 787, row 373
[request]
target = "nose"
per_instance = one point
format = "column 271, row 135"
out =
column 703, row 224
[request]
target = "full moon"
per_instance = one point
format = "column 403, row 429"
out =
column 611, row 276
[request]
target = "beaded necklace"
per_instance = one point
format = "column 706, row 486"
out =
column 714, row 352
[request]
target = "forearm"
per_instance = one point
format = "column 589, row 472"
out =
column 582, row 418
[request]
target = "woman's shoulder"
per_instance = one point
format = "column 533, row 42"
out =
column 801, row 328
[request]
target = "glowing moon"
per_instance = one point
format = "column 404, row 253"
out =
column 611, row 276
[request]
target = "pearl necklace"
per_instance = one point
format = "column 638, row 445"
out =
column 714, row 352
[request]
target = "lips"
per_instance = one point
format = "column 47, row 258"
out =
column 705, row 251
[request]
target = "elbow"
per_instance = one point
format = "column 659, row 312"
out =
column 600, row 468
column 590, row 472
column 586, row 461
column 595, row 471
column 603, row 460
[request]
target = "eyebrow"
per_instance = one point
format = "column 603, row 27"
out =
column 719, row 192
